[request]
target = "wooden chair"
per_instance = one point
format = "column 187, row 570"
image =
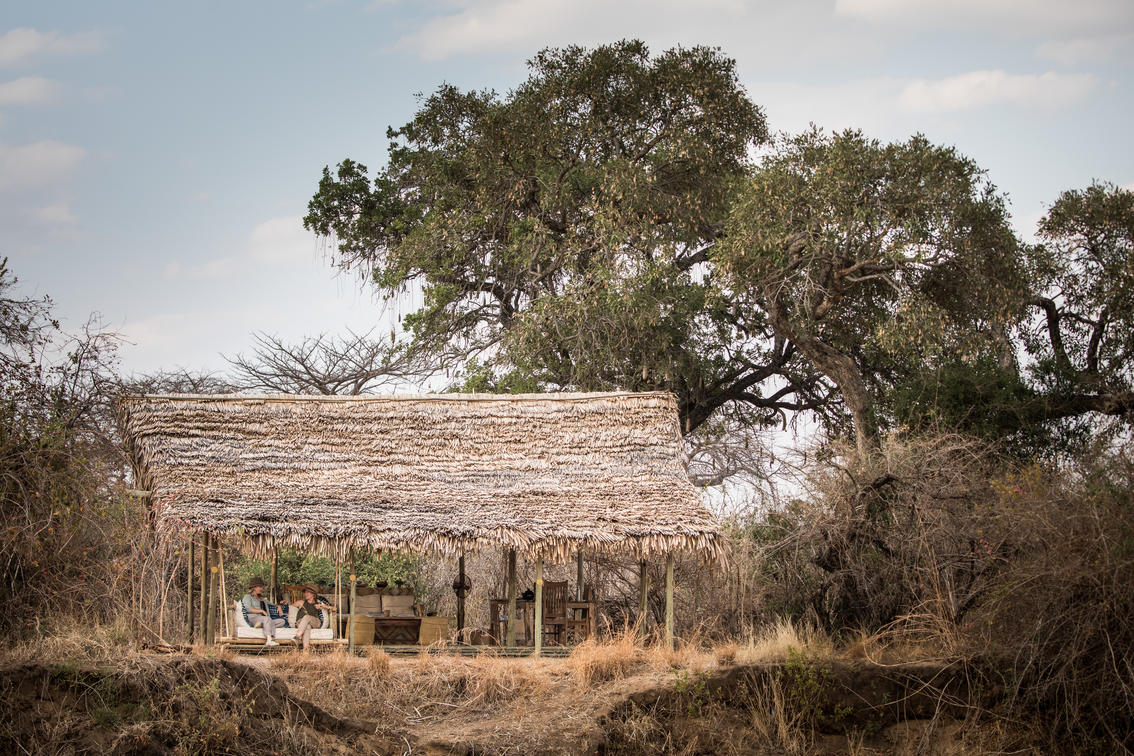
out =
column 580, row 621
column 555, row 612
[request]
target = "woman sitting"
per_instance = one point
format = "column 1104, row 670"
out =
column 257, row 610
column 308, row 617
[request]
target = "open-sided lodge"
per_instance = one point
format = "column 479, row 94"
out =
column 549, row 476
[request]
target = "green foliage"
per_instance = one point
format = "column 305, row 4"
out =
column 563, row 230
column 875, row 260
column 480, row 378
column 693, row 689
column 978, row 398
column 1086, row 264
column 804, row 681
column 299, row 568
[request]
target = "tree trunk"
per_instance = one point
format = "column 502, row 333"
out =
column 837, row 366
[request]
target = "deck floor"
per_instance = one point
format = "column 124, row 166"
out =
column 257, row 647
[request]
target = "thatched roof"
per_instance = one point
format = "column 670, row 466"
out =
column 542, row 473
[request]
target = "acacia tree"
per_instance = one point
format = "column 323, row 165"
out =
column 326, row 364
column 873, row 260
column 1083, row 292
column 565, row 230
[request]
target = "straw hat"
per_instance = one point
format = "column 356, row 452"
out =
column 311, row 588
column 256, row 582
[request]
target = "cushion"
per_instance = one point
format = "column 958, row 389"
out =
column 399, row 606
column 275, row 612
column 368, row 604
column 241, row 613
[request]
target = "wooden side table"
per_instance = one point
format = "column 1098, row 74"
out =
column 434, row 629
column 363, row 630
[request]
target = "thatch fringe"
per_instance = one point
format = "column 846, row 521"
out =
column 557, row 550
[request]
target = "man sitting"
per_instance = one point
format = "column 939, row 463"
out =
column 257, row 610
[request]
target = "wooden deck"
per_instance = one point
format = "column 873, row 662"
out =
column 256, row 646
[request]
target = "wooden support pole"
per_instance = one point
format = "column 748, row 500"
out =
column 189, row 578
column 223, row 592
column 643, row 595
column 579, row 575
column 669, row 601
column 204, row 603
column 273, row 587
column 511, row 634
column 353, row 596
column 461, row 596
column 338, row 592
column 211, row 621
column 538, row 606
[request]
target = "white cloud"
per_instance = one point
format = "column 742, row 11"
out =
column 20, row 46
column 28, row 90
column 221, row 267
column 867, row 104
column 282, row 241
column 37, row 164
column 994, row 15
column 1099, row 47
column 1069, row 32
column 58, row 214
column 278, row 242
column 976, row 89
column 746, row 29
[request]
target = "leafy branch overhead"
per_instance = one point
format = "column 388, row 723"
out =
column 608, row 225
column 565, row 228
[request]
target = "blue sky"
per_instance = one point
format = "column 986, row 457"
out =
column 155, row 158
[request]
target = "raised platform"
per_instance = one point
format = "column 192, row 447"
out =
column 256, row 646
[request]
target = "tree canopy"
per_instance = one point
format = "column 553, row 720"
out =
column 622, row 221
column 873, row 259
column 565, row 228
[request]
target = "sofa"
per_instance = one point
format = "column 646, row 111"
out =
column 244, row 630
column 386, row 618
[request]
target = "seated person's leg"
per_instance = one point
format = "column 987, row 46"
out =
column 264, row 623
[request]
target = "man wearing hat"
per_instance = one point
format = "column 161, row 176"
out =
column 257, row 610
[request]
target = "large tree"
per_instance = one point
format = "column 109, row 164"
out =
column 875, row 260
column 564, row 230
column 1082, row 340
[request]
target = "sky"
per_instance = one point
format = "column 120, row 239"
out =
column 156, row 158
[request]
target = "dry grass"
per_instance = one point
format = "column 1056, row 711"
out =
column 773, row 643
column 596, row 662
column 504, row 705
column 74, row 643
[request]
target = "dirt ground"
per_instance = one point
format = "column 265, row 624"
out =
column 154, row 704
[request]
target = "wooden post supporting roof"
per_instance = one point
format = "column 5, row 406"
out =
column 223, row 592
column 273, row 588
column 211, row 620
column 204, row 603
column 510, row 638
column 579, row 575
column 190, row 575
column 461, row 597
column 643, row 595
column 338, row 591
column 350, row 617
column 669, row 600
column 538, row 606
